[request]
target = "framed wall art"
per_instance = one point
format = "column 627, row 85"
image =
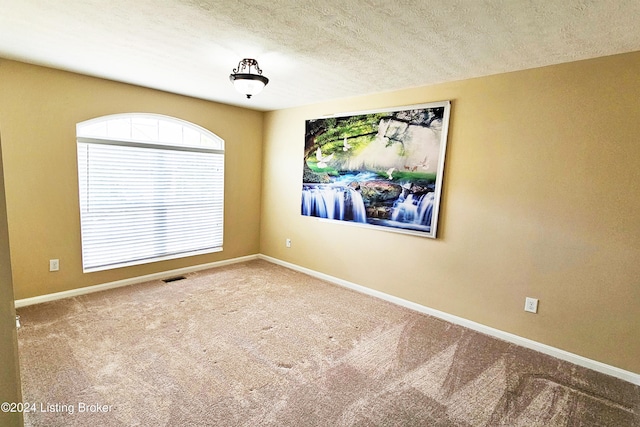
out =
column 381, row 169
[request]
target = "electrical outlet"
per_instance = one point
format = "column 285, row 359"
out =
column 54, row 264
column 531, row 305
column 287, row 243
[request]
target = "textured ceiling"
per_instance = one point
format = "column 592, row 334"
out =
column 311, row 50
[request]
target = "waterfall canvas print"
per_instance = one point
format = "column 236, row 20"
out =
column 380, row 168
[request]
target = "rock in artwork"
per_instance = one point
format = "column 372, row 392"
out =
column 382, row 168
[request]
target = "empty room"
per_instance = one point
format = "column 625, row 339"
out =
column 340, row 213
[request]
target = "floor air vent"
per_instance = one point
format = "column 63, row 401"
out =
column 174, row 279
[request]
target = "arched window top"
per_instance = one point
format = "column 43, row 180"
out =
column 151, row 129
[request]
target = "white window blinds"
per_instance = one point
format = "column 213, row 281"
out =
column 151, row 188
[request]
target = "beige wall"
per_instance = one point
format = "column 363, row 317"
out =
column 540, row 199
column 39, row 109
column 9, row 366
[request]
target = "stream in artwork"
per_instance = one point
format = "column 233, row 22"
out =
column 343, row 200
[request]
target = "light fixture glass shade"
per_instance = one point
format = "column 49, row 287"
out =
column 248, row 83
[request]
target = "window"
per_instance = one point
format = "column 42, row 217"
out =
column 151, row 188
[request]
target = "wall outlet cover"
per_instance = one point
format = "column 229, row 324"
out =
column 531, row 305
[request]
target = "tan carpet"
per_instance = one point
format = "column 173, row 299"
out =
column 255, row 344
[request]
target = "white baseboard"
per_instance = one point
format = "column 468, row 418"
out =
column 126, row 282
column 505, row 336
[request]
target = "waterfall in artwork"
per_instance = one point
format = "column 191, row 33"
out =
column 411, row 210
column 333, row 202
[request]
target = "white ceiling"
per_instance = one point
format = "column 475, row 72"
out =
column 310, row 50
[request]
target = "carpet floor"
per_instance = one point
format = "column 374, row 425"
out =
column 256, row 344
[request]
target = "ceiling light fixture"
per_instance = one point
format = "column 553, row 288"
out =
column 244, row 81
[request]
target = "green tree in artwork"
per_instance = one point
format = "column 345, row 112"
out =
column 338, row 138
